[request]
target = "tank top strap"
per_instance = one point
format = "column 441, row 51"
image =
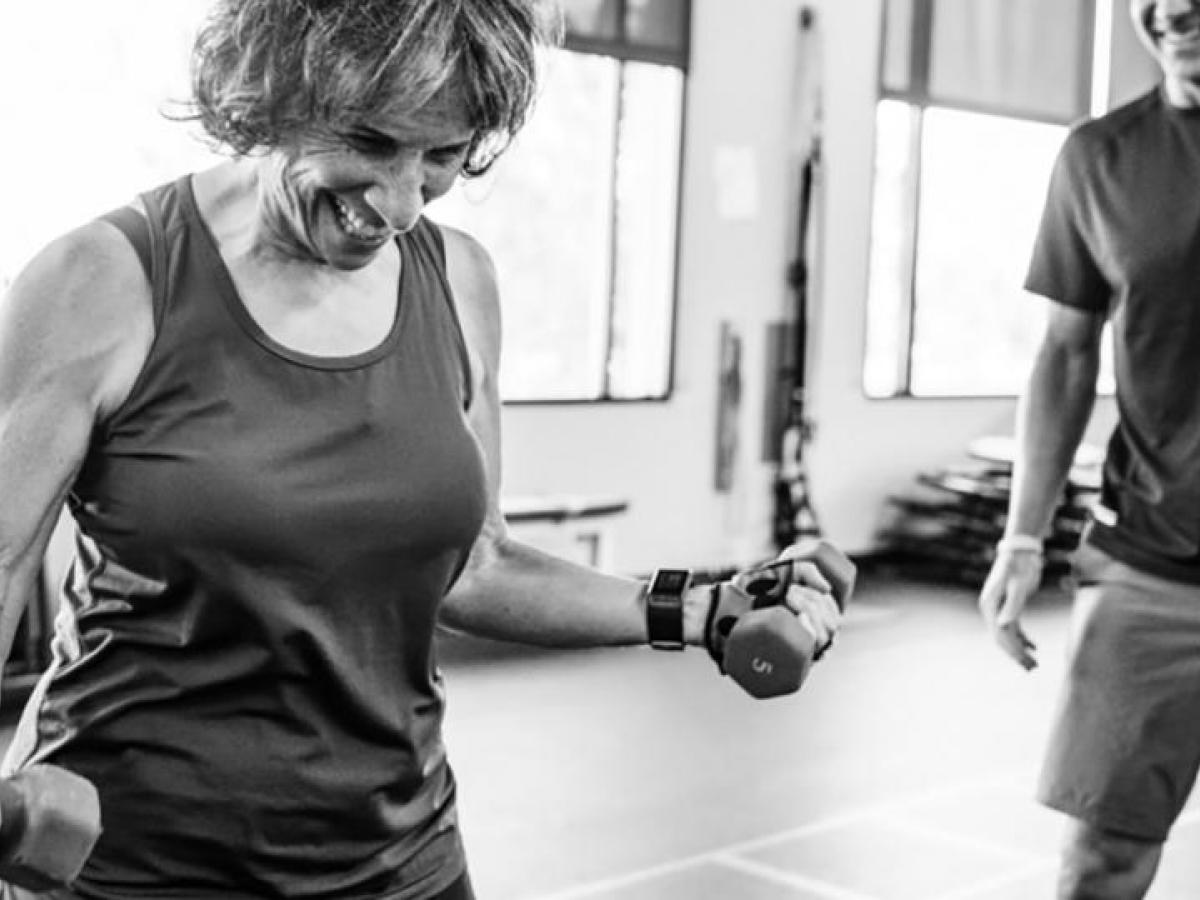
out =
column 146, row 232
column 134, row 226
column 427, row 240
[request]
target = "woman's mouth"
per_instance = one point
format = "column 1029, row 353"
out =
column 353, row 223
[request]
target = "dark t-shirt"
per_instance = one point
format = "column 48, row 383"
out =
column 1120, row 235
column 245, row 664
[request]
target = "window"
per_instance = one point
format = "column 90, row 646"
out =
column 976, row 97
column 580, row 215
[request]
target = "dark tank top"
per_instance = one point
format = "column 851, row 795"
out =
column 243, row 660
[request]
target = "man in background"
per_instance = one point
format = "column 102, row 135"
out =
column 1119, row 242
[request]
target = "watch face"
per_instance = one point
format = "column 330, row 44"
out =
column 670, row 581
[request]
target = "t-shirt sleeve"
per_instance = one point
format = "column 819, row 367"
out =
column 1063, row 266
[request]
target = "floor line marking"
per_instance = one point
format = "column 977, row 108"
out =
column 987, row 885
column 963, row 840
column 875, row 810
column 792, row 879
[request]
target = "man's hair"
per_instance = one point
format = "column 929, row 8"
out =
column 268, row 72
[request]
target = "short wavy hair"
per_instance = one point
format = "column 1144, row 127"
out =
column 267, row 72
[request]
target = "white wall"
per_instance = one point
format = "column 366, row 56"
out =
column 661, row 455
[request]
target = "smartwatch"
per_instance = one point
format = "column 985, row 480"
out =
column 664, row 608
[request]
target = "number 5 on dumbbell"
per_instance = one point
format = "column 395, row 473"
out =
column 756, row 640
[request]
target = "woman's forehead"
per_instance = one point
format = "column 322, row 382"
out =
column 438, row 122
column 447, row 111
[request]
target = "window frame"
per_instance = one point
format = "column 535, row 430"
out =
column 919, row 100
column 624, row 50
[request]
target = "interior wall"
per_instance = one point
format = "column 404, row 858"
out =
column 737, row 210
column 661, row 456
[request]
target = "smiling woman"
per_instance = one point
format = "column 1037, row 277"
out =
column 223, row 378
column 267, row 393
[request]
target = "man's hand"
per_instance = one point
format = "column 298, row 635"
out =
column 1015, row 575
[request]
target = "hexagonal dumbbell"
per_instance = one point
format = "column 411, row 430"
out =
column 760, row 643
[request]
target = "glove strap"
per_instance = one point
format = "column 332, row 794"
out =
column 710, row 644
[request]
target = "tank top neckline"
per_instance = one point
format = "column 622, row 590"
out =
column 233, row 300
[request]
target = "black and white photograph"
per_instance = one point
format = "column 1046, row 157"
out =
column 600, row 450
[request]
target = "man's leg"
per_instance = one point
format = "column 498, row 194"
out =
column 1124, row 749
column 1103, row 865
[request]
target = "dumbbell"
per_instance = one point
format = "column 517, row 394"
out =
column 764, row 646
column 49, row 823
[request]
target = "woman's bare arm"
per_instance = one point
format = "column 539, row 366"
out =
column 75, row 328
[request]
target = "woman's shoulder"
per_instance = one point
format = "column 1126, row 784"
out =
column 472, row 279
column 471, row 272
column 81, row 310
column 82, row 278
column 467, row 250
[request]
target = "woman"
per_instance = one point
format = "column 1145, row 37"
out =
column 267, row 392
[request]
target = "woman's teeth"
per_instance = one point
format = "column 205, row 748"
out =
column 354, row 225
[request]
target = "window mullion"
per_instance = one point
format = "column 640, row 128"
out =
column 614, row 214
column 1087, row 61
column 908, row 326
column 921, row 50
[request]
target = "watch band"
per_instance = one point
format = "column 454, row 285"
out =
column 664, row 608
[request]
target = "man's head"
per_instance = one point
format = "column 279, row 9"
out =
column 1170, row 29
column 269, row 73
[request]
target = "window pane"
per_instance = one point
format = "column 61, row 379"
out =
column 545, row 214
column 1026, row 57
column 647, row 207
column 106, row 77
column 592, row 18
column 885, row 371
column 658, row 23
column 983, row 183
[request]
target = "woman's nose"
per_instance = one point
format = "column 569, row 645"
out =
column 397, row 196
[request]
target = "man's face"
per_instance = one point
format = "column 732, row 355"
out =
column 1170, row 29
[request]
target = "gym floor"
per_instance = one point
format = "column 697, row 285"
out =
column 902, row 771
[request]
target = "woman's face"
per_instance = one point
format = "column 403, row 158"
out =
column 339, row 198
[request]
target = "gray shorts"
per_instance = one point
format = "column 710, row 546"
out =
column 1125, row 743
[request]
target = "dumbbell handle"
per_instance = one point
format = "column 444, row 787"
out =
column 839, row 588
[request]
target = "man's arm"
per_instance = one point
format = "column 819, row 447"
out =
column 1051, row 417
